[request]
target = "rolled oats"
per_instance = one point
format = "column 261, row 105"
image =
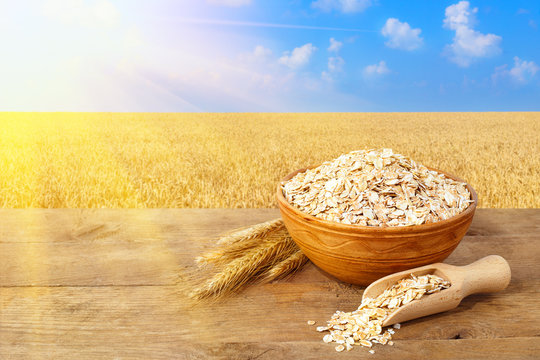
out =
column 364, row 326
column 376, row 188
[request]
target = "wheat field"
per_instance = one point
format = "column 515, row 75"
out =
column 118, row 160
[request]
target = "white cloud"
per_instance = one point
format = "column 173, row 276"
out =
column 521, row 73
column 376, row 69
column 335, row 63
column 232, row 3
column 523, row 70
column 345, row 6
column 262, row 52
column 335, row 45
column 299, row 57
column 458, row 15
column 468, row 44
column 400, row 35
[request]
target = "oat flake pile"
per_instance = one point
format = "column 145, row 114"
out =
column 364, row 325
column 376, row 188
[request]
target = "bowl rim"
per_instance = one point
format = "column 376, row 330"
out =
column 282, row 202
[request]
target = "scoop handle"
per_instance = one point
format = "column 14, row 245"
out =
column 489, row 274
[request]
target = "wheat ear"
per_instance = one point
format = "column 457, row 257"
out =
column 224, row 254
column 243, row 269
column 235, row 244
column 255, row 231
column 287, row 267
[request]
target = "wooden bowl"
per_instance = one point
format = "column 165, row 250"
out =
column 361, row 254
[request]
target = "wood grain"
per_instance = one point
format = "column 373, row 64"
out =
column 95, row 284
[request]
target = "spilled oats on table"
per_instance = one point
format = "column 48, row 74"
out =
column 364, row 326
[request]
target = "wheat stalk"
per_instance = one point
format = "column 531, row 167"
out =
column 252, row 232
column 287, row 267
column 246, row 268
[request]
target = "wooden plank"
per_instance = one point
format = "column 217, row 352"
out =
column 505, row 349
column 161, row 260
column 496, row 222
column 135, row 225
column 124, row 225
column 110, row 246
column 160, row 309
column 138, row 320
column 151, row 247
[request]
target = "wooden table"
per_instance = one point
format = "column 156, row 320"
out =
column 103, row 283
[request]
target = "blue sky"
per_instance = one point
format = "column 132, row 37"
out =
column 250, row 55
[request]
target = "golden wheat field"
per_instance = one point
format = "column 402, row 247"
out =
column 235, row 160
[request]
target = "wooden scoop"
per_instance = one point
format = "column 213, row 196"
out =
column 488, row 274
